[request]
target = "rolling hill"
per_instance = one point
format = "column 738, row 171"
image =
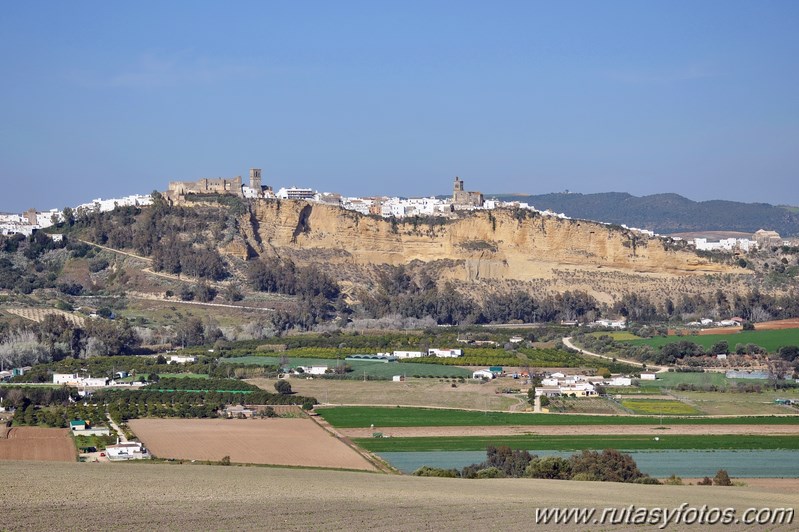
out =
column 667, row 213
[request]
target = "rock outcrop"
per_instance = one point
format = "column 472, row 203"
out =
column 498, row 244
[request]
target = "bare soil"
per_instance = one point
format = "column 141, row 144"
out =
column 36, row 443
column 567, row 430
column 294, row 442
column 145, row 496
column 411, row 392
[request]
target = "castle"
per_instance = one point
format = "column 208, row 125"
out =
column 180, row 189
column 463, row 198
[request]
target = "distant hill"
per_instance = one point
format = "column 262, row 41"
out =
column 667, row 213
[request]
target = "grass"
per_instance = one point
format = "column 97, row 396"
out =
column 769, row 340
column 364, row 416
column 578, row 443
column 668, row 407
column 380, row 370
column 619, row 336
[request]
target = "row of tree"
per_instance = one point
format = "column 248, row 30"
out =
column 609, row 465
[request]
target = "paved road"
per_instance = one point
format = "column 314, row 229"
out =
column 568, row 343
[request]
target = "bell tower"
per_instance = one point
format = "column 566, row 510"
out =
column 255, row 179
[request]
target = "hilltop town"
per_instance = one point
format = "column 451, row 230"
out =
column 396, row 207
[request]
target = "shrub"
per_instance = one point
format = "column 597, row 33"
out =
column 283, row 387
column 705, row 482
column 426, row 471
column 491, row 472
column 722, row 478
column 225, row 460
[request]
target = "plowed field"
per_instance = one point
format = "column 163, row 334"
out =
column 295, row 442
column 35, row 443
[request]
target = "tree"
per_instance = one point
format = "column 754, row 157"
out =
column 283, row 387
column 722, row 478
column 720, row 348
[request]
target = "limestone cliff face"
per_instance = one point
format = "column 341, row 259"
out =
column 499, row 244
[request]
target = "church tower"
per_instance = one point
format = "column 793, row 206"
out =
column 255, row 179
column 458, row 185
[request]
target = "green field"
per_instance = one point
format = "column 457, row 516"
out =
column 361, row 368
column 364, row 416
column 578, row 443
column 652, row 407
column 769, row 340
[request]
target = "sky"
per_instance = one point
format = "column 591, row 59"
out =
column 106, row 99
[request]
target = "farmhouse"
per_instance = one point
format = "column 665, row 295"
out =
column 648, row 376
column 73, row 379
column 313, row 370
column 445, row 353
column 482, row 374
column 178, row 359
column 82, row 428
column 131, row 450
column 408, row 354
column 620, row 381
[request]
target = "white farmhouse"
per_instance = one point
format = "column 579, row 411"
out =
column 65, row 378
column 408, row 354
column 482, row 374
column 178, row 359
column 131, row 450
column 445, row 353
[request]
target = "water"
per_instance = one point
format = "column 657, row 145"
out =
column 691, row 464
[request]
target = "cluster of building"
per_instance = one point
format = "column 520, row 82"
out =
column 384, row 206
column 761, row 239
column 33, row 220
column 707, row 322
column 563, row 385
column 439, row 353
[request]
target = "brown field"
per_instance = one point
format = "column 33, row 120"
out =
column 38, row 314
column 36, row 443
column 790, row 323
column 292, row 442
column 575, row 430
column 146, row 496
column 411, row 392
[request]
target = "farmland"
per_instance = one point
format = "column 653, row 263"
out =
column 627, row 442
column 353, row 416
column 667, row 407
column 411, row 392
column 198, row 497
column 771, row 340
column 361, row 369
column 36, row 443
column 291, row 442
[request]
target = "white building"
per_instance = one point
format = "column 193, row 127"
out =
column 314, row 370
column 408, row 354
column 482, row 374
column 620, row 381
column 65, row 378
column 178, row 359
column 295, row 193
column 648, row 376
column 445, row 353
column 131, row 450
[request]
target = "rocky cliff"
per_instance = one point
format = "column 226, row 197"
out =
column 499, row 244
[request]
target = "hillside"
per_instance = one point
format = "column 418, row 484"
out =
column 184, row 497
column 500, row 244
column 667, row 213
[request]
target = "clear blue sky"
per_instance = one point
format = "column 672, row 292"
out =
column 104, row 99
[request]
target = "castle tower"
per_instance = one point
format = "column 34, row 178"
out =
column 458, row 185
column 255, row 179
